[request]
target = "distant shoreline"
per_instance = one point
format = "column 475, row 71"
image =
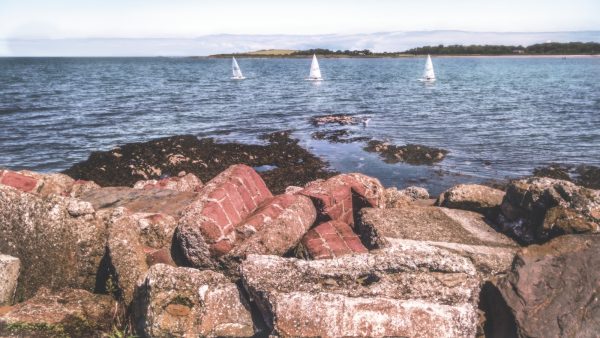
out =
column 246, row 56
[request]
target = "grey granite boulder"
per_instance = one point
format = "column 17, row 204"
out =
column 463, row 232
column 185, row 302
column 408, row 290
column 473, row 197
column 59, row 240
column 9, row 274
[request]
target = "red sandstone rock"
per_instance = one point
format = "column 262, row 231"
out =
column 332, row 239
column 334, row 197
column 189, row 182
column 207, row 227
column 45, row 184
column 275, row 227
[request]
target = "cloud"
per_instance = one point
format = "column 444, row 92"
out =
column 228, row 43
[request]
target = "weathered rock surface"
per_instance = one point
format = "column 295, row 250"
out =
column 9, row 274
column 537, row 209
column 463, row 232
column 45, row 184
column 136, row 242
column 60, row 241
column 340, row 196
column 553, row 288
column 473, row 197
column 67, row 313
column 331, row 239
column 183, row 182
column 164, row 201
column 405, row 291
column 185, row 302
column 207, row 228
column 395, row 198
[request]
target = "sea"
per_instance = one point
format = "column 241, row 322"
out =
column 499, row 117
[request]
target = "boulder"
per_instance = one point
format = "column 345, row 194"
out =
column 552, row 289
column 135, row 242
column 162, row 201
column 207, row 228
column 395, row 198
column 331, row 239
column 540, row 208
column 185, row 302
column 274, row 228
column 339, row 197
column 473, row 197
column 59, row 240
column 66, row 313
column 405, row 291
column 9, row 274
column 45, row 184
column 183, row 182
column 463, row 232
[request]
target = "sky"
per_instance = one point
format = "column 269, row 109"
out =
column 195, row 19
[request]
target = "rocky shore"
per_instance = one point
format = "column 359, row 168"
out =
column 186, row 237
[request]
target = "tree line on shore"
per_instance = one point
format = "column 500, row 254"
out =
column 549, row 48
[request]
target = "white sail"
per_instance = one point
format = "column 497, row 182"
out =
column 237, row 72
column 428, row 74
column 315, row 71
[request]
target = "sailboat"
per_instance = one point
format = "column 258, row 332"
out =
column 428, row 74
column 237, row 72
column 315, row 71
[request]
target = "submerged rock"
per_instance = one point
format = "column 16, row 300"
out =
column 205, row 158
column 67, row 313
column 338, row 136
column 340, row 119
column 552, row 289
column 410, row 153
column 186, row 302
column 539, row 208
column 587, row 176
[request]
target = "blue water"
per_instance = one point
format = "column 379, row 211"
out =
column 498, row 117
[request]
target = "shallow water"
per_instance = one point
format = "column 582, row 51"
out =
column 498, row 117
